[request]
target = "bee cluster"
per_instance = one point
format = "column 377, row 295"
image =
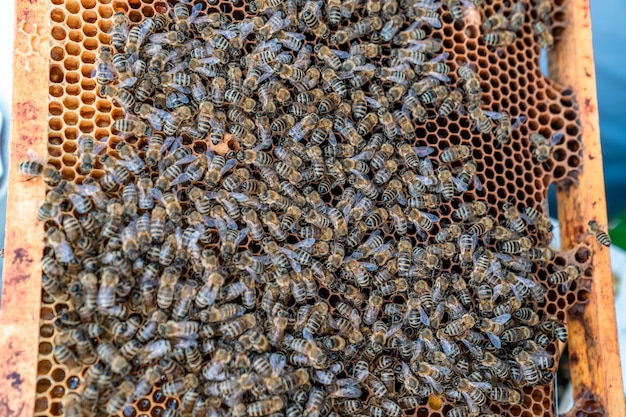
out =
column 305, row 271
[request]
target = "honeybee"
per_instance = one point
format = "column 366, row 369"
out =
column 111, row 356
column 516, row 334
column 513, row 218
column 543, row 33
column 120, row 398
column 496, row 21
column 600, row 235
column 456, row 153
column 538, row 219
column 468, row 210
column 570, row 273
column 504, row 125
column 36, row 167
column 500, row 38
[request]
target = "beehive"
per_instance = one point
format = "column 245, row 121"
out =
column 511, row 79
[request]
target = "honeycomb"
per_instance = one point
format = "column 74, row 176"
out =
column 511, row 81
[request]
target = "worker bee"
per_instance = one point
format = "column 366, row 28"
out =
column 570, row 273
column 466, row 211
column 497, row 21
column 513, row 218
column 543, row 33
column 456, row 153
column 601, row 236
column 36, row 167
column 542, row 146
column 504, row 125
column 516, row 19
column 538, row 219
column 500, row 38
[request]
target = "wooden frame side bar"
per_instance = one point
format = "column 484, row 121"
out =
column 593, row 347
column 21, row 289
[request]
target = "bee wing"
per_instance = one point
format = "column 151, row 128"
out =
column 354, row 256
column 526, row 218
column 418, row 45
column 495, row 340
column 87, row 189
column 340, row 54
column 240, row 237
column 366, row 67
column 518, row 122
column 439, row 76
column 369, row 266
column 459, row 185
column 182, row 178
column 186, row 160
column 447, row 346
column 349, row 391
column 371, row 238
column 332, row 139
column 228, row 165
column 429, row 216
column 290, row 255
column 344, row 75
column 401, row 199
column 375, row 104
column 195, row 12
column 180, row 88
column 101, row 145
column 278, row 362
column 556, row 139
column 178, row 68
column 527, row 282
column 228, row 34
column 423, row 151
column 306, row 243
column 471, row 348
column 380, row 249
column 497, row 290
column 34, row 156
column 240, row 197
column 393, row 330
column 501, row 319
column 159, row 38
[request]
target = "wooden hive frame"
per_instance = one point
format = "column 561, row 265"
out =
column 593, row 346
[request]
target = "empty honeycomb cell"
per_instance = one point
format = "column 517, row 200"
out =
column 43, row 385
column 135, row 16
column 41, row 404
column 56, row 408
column 44, row 366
